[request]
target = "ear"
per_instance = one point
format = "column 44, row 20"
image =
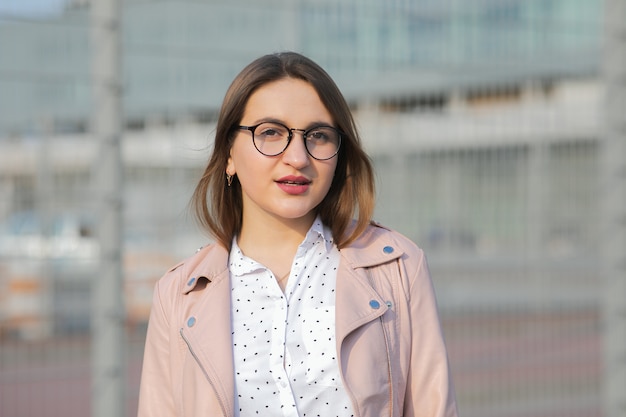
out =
column 230, row 166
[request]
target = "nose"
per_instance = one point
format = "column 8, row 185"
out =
column 296, row 154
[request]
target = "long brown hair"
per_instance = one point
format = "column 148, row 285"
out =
column 219, row 207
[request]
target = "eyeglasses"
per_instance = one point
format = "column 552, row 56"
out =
column 273, row 138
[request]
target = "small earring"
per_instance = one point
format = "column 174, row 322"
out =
column 229, row 179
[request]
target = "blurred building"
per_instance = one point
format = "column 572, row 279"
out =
column 180, row 55
column 482, row 116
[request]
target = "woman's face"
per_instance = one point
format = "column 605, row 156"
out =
column 288, row 186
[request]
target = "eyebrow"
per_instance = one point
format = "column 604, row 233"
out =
column 282, row 122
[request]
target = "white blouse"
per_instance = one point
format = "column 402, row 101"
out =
column 285, row 357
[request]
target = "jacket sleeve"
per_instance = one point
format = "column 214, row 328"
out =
column 156, row 389
column 430, row 391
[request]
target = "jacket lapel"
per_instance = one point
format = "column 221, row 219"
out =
column 357, row 301
column 359, row 304
column 206, row 325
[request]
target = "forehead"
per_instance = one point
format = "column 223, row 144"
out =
column 288, row 100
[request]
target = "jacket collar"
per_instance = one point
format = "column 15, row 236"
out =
column 210, row 264
column 374, row 247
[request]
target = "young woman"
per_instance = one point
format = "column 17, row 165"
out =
column 297, row 309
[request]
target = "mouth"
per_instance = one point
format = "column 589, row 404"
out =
column 294, row 185
column 291, row 180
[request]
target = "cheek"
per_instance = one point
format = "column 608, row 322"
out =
column 329, row 174
column 239, row 157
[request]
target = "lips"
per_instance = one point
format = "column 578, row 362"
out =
column 294, row 185
column 295, row 180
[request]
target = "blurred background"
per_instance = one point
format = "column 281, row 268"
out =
column 497, row 129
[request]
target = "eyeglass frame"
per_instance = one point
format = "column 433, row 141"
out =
column 290, row 137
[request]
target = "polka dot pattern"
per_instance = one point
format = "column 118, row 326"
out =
column 284, row 343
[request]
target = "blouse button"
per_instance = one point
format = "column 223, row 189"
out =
column 191, row 321
column 388, row 249
column 374, row 304
column 191, row 281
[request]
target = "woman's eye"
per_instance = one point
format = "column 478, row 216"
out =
column 318, row 135
column 269, row 132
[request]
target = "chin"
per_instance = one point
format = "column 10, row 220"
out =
column 297, row 214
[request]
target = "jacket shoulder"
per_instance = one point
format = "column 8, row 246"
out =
column 398, row 240
column 379, row 244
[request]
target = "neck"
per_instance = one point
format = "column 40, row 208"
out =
column 274, row 233
column 271, row 234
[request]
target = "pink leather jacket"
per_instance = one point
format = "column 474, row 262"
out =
column 389, row 342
